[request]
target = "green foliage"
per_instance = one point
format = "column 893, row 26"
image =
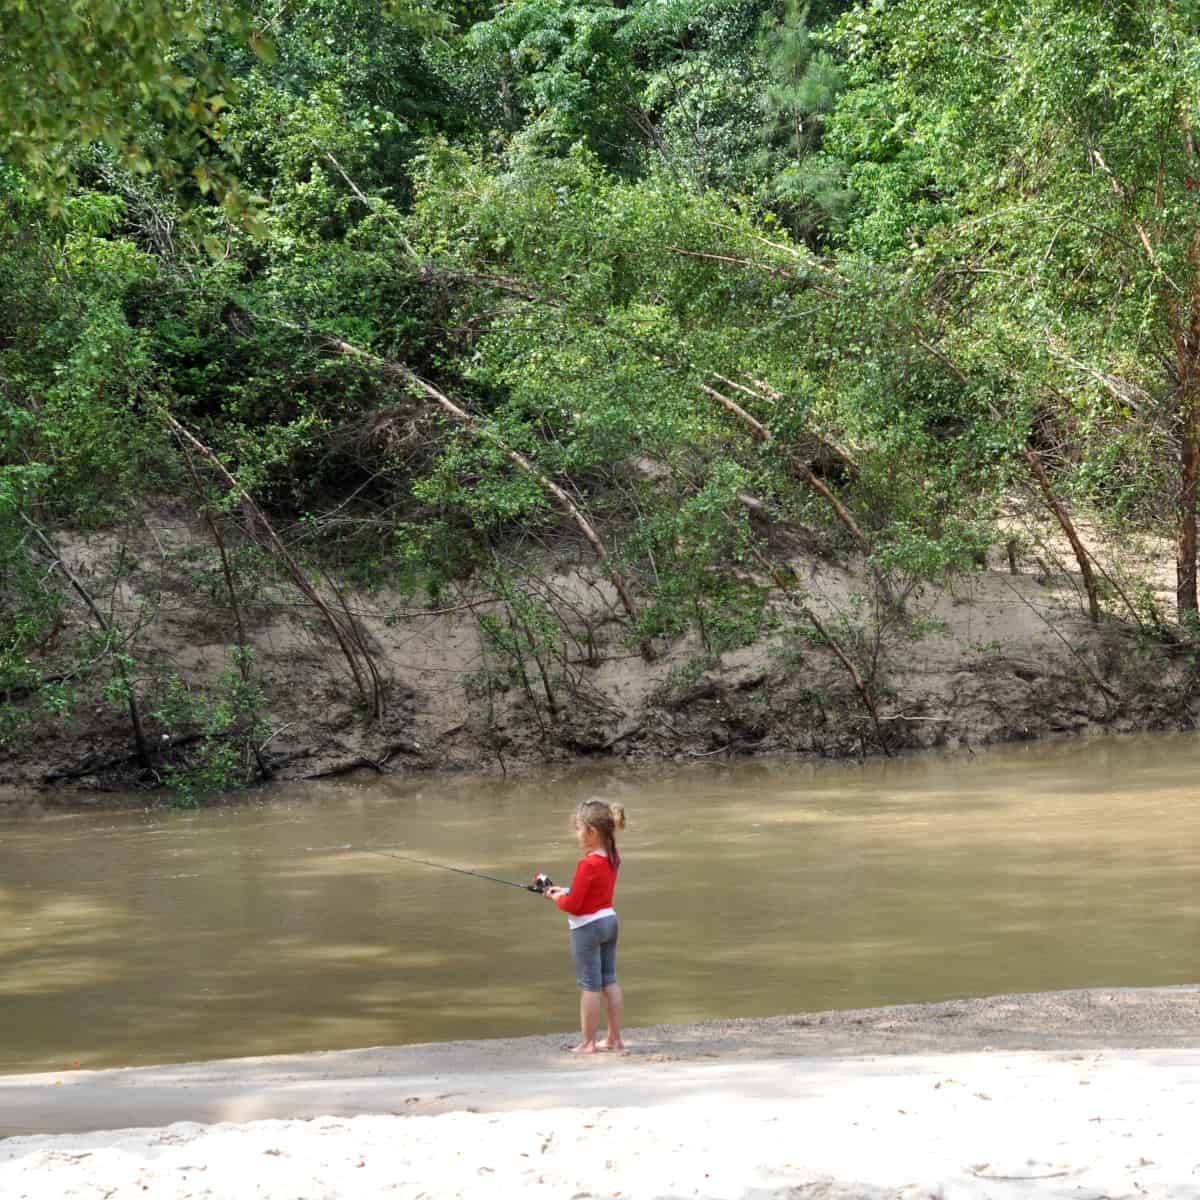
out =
column 220, row 727
column 526, row 639
column 918, row 241
column 802, row 89
column 141, row 79
column 31, row 608
column 1032, row 169
column 76, row 368
column 699, row 547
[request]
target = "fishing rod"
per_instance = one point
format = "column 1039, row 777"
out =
column 540, row 882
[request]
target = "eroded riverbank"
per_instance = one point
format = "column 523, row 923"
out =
column 981, row 658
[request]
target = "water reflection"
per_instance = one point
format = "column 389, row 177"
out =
column 747, row 889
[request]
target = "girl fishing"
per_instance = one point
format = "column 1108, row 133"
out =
column 593, row 921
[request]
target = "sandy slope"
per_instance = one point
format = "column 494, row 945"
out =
column 1081, row 1094
column 981, row 658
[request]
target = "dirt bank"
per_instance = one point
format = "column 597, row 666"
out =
column 1072, row 1094
column 1003, row 654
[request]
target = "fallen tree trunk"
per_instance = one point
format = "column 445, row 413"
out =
column 1049, row 496
column 763, row 435
column 787, row 588
column 461, row 417
column 349, row 642
column 766, row 390
column 1082, row 557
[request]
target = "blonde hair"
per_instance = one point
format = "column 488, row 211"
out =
column 605, row 817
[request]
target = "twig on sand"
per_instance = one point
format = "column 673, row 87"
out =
column 1050, row 1175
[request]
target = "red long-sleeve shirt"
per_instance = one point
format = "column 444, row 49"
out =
column 592, row 888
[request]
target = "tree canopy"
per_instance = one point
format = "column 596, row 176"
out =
column 654, row 273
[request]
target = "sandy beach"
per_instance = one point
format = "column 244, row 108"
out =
column 1082, row 1094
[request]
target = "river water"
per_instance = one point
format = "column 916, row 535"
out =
column 747, row 889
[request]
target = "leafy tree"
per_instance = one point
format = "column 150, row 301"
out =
column 656, row 272
column 803, row 86
column 140, row 79
column 1030, row 169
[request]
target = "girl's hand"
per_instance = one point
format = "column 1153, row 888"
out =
column 553, row 893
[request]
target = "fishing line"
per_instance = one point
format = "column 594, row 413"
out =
column 540, row 882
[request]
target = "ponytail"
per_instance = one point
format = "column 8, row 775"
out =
column 606, row 819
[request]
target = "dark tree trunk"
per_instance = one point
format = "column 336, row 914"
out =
column 1056, row 506
column 1186, row 335
column 1189, row 473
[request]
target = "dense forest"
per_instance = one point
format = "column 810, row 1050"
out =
column 406, row 294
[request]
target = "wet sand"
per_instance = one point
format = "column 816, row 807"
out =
column 1081, row 1094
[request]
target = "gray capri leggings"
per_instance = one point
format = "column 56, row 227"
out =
column 594, row 948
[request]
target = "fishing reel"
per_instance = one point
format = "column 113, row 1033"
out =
column 541, row 881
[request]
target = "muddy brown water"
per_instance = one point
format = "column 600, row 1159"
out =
column 747, row 890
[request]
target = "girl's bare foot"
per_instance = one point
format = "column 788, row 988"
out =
column 582, row 1048
column 612, row 1044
